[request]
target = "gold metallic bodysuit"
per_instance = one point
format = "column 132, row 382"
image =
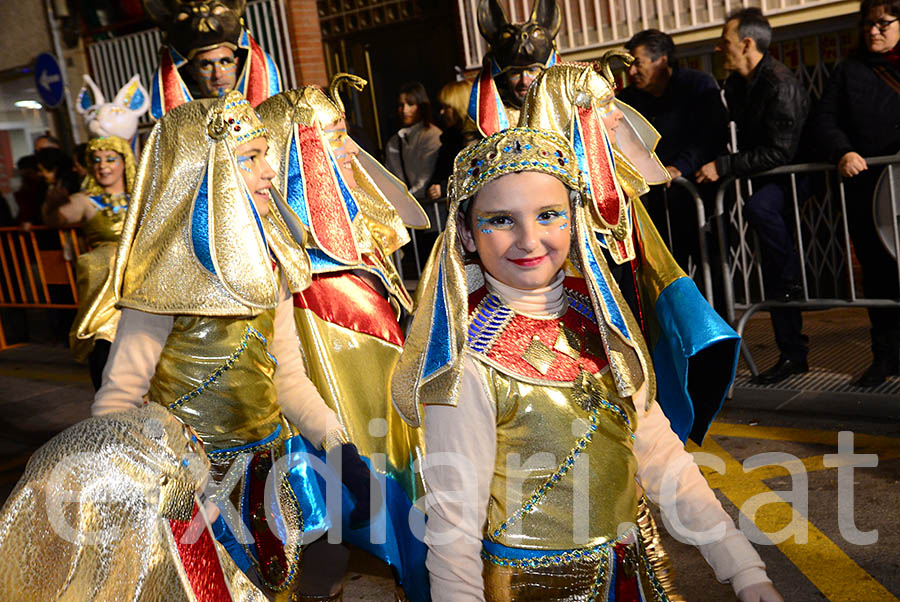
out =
column 560, row 529
column 97, row 316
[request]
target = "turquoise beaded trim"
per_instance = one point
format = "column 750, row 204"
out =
column 484, row 166
column 618, row 412
column 550, row 483
column 593, row 554
column 212, row 378
column 251, row 134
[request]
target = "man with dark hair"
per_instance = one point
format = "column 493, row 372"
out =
column 769, row 106
column 207, row 53
column 685, row 106
column 517, row 54
column 46, row 141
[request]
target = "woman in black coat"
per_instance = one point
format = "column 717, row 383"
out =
column 859, row 116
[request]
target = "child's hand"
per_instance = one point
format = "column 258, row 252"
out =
column 760, row 592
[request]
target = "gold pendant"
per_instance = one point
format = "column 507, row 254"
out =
column 587, row 391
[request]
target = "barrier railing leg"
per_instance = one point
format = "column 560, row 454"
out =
column 2, row 335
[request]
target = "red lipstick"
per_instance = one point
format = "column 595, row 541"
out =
column 528, row 262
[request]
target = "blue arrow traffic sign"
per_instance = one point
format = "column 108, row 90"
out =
column 48, row 79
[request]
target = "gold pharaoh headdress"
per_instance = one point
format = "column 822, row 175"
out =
column 310, row 181
column 571, row 100
column 94, row 516
column 430, row 366
column 108, row 143
column 193, row 242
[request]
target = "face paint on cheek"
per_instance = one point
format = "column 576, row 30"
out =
column 244, row 163
column 483, row 225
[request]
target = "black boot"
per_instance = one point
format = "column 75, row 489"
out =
column 886, row 352
column 780, row 371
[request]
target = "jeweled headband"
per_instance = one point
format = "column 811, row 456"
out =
column 511, row 151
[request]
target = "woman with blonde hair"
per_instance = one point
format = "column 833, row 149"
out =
column 454, row 100
column 100, row 208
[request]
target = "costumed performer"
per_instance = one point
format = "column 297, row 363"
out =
column 522, row 345
column 100, row 207
column 694, row 351
column 109, row 510
column 357, row 215
column 517, row 54
column 207, row 53
column 205, row 267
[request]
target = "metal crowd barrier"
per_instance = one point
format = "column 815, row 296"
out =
column 704, row 278
column 32, row 261
column 437, row 213
column 822, row 240
column 820, row 228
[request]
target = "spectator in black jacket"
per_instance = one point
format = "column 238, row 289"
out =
column 857, row 117
column 685, row 106
column 769, row 106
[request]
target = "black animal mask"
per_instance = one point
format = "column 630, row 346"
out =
column 519, row 44
column 196, row 25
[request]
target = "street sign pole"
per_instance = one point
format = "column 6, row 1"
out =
column 57, row 49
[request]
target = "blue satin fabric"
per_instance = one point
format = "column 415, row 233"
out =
column 307, row 489
column 502, row 551
column 691, row 326
column 397, row 546
column 439, row 352
column 307, row 486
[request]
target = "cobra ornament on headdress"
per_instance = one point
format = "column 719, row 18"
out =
column 512, row 45
column 312, row 184
column 430, row 366
column 572, row 99
column 90, row 186
column 193, row 241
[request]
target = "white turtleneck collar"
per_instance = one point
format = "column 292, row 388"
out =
column 548, row 301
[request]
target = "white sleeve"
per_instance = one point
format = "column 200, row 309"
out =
column 459, row 465
column 140, row 338
column 297, row 395
column 690, row 509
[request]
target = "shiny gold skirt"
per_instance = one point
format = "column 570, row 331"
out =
column 619, row 571
column 97, row 316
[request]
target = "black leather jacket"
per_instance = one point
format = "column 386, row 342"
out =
column 859, row 110
column 769, row 108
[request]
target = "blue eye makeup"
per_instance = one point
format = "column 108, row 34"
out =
column 243, row 163
column 545, row 218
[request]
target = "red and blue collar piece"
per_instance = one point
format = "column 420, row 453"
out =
column 534, row 348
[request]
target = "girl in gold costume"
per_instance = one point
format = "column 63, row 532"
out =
column 357, row 215
column 100, row 206
column 535, row 387
column 205, row 269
